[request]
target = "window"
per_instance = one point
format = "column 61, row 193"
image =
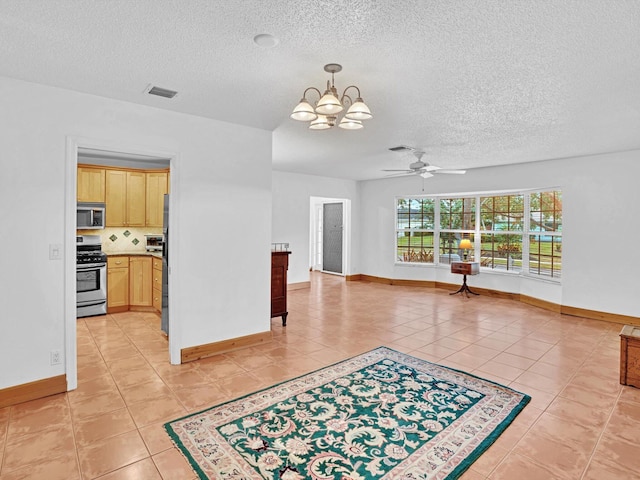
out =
column 505, row 229
column 545, row 233
column 457, row 220
column 501, row 226
column 415, row 229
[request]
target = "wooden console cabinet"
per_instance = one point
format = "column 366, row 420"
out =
column 279, row 266
column 630, row 356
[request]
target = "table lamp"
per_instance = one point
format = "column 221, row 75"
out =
column 465, row 244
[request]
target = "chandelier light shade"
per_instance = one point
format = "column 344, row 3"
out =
column 325, row 113
column 322, row 122
column 358, row 111
column 350, row 124
column 304, row 112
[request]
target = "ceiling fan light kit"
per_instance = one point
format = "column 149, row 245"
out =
column 329, row 105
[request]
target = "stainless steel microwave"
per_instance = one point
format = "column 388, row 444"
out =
column 91, row 216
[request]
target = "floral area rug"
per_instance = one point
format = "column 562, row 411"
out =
column 379, row 415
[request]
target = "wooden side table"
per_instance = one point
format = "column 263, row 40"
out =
column 630, row 356
column 465, row 268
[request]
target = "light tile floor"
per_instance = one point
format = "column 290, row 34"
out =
column 580, row 424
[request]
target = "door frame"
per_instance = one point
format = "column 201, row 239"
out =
column 315, row 234
column 73, row 143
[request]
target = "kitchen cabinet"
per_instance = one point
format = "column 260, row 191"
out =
column 157, row 187
column 125, row 198
column 117, row 284
column 91, row 184
column 157, row 284
column 140, row 281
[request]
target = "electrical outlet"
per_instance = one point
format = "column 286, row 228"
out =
column 56, row 357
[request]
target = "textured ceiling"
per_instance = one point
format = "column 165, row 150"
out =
column 474, row 83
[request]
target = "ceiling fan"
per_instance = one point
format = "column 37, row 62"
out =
column 419, row 167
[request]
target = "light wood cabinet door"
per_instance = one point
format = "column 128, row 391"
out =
column 140, row 281
column 91, row 186
column 157, row 187
column 116, row 198
column 136, row 199
column 157, row 300
column 118, row 287
column 157, row 284
column 125, row 196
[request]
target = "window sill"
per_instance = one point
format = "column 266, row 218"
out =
column 484, row 271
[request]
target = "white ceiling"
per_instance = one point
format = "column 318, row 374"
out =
column 474, row 83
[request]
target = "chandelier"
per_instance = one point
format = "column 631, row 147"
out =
column 325, row 113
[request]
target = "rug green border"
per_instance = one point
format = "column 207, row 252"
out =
column 456, row 473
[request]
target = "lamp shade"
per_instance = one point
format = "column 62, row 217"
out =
column 465, row 244
column 329, row 104
column 358, row 111
column 349, row 124
column 320, row 123
column 304, row 112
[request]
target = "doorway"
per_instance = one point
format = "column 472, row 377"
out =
column 96, row 152
column 332, row 237
column 329, row 235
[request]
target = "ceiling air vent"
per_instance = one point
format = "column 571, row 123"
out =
column 161, row 92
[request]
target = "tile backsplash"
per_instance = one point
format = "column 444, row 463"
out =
column 123, row 239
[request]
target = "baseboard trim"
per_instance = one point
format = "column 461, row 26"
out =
column 190, row 354
column 596, row 315
column 298, row 286
column 123, row 308
column 33, row 390
column 536, row 302
column 142, row 308
column 353, row 278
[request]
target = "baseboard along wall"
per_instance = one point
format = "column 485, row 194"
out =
column 536, row 302
column 33, row 390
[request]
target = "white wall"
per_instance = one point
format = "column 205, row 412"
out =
column 222, row 180
column 600, row 201
column 291, row 216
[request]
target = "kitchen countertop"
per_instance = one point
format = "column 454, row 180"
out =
column 134, row 254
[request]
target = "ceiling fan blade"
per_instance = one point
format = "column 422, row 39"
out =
column 454, row 172
column 406, row 174
column 404, row 170
column 426, row 174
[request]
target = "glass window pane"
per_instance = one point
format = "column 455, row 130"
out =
column 545, row 255
column 458, row 213
column 501, row 251
column 415, row 247
column 502, row 213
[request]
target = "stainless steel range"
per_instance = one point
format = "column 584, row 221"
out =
column 91, row 276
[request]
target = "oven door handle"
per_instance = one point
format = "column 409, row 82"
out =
column 85, row 267
column 90, row 303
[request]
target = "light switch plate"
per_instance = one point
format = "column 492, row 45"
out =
column 55, row 251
